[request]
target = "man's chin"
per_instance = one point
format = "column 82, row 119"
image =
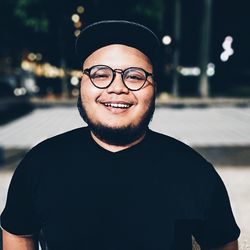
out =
column 117, row 135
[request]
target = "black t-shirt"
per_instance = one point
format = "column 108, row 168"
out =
column 154, row 195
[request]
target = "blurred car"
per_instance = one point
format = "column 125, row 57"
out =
column 14, row 102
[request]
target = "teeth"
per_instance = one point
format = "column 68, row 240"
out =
column 116, row 105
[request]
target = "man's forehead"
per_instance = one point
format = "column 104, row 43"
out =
column 118, row 49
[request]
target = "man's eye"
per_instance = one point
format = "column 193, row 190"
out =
column 100, row 76
column 135, row 77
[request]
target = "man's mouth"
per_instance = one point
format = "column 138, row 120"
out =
column 117, row 105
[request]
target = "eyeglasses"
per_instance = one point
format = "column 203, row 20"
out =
column 102, row 76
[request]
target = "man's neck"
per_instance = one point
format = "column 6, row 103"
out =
column 116, row 148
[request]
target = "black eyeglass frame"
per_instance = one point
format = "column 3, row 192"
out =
column 114, row 71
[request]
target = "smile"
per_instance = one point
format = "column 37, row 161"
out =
column 117, row 105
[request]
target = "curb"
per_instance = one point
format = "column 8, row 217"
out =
column 222, row 156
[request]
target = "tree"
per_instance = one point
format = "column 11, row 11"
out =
column 49, row 28
column 46, row 27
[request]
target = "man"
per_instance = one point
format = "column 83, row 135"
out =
column 116, row 184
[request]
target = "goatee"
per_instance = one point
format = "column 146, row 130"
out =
column 119, row 136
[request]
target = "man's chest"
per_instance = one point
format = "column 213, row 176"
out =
column 113, row 209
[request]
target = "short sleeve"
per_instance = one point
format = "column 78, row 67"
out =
column 218, row 226
column 19, row 215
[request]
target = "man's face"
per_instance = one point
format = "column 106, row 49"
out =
column 134, row 116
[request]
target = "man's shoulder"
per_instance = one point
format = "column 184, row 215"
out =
column 65, row 139
column 189, row 168
column 55, row 150
column 59, row 144
column 166, row 142
column 179, row 154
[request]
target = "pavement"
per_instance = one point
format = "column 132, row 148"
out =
column 211, row 126
column 219, row 132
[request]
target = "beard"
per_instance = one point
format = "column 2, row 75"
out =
column 119, row 136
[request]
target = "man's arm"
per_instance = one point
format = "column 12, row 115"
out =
column 229, row 246
column 15, row 242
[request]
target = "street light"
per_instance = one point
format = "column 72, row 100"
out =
column 77, row 33
column 166, row 40
column 228, row 51
column 80, row 9
column 75, row 18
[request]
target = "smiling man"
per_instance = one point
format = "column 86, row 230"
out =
column 116, row 184
column 121, row 95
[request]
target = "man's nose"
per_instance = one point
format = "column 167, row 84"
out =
column 117, row 86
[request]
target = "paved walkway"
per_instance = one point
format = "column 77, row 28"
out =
column 214, row 126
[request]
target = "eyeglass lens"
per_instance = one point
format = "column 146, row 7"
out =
column 102, row 76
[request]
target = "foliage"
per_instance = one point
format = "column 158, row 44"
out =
column 152, row 10
column 40, row 14
column 47, row 26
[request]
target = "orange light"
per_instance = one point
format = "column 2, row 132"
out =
column 78, row 25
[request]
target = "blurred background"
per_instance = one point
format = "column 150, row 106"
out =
column 203, row 93
column 205, row 44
